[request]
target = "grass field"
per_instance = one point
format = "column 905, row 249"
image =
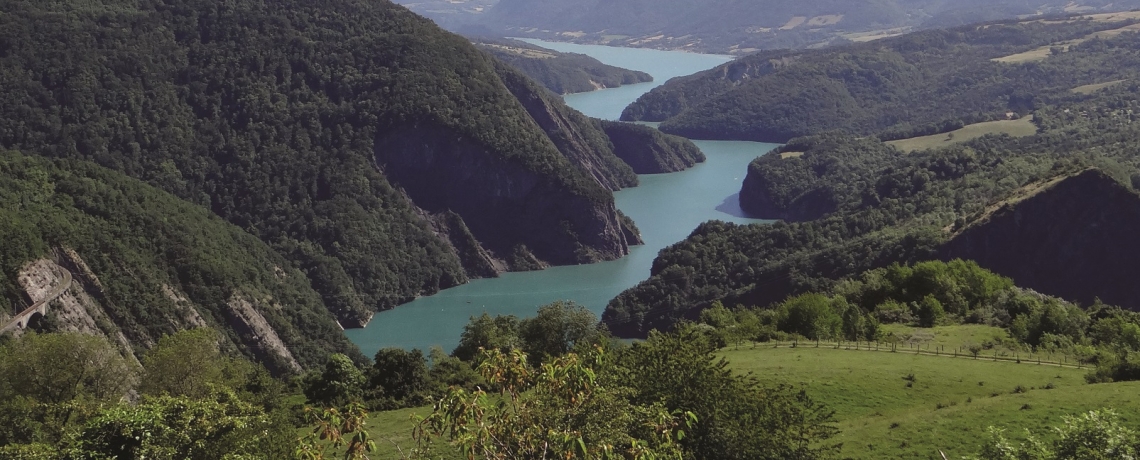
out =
column 1089, row 89
column 1018, row 128
column 873, row 35
column 907, row 406
column 902, row 405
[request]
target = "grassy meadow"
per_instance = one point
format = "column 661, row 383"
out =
column 1017, row 128
column 1089, row 89
column 896, row 405
column 901, row 405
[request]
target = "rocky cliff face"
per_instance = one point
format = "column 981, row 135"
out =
column 85, row 307
column 1073, row 237
column 507, row 206
column 576, row 136
column 649, row 151
column 76, row 310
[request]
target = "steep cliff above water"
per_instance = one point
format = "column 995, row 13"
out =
column 1073, row 237
column 505, row 204
column 577, row 137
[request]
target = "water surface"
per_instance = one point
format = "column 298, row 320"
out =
column 666, row 207
column 607, row 104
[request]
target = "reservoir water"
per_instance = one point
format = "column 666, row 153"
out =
column 666, row 207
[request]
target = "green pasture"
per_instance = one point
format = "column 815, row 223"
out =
column 1017, row 128
column 902, row 404
column 907, row 405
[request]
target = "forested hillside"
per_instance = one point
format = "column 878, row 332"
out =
column 275, row 116
column 916, row 84
column 856, row 204
column 147, row 264
column 562, row 73
column 727, row 26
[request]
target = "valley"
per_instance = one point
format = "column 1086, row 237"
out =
column 666, row 207
column 290, row 230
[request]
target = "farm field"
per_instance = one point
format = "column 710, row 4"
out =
column 1018, row 128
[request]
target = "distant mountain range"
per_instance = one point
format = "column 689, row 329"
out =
column 922, row 83
column 731, row 26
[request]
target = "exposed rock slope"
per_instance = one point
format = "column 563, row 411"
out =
column 1072, row 237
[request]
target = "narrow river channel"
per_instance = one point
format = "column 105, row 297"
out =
column 666, row 207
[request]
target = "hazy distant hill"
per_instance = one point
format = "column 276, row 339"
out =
column 731, row 25
column 562, row 73
column 921, row 83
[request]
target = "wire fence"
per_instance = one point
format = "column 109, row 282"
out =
column 1044, row 359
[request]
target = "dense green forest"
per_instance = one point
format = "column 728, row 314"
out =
column 873, row 206
column 563, row 73
column 274, row 116
column 726, row 26
column 916, row 84
column 145, row 250
column 649, row 151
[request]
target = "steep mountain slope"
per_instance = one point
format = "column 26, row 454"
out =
column 736, row 26
column 917, row 84
column 145, row 264
column 1072, row 237
column 562, row 73
column 580, row 139
column 275, row 116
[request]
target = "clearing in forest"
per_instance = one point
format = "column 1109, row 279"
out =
column 860, row 37
column 1043, row 52
column 796, row 21
column 1089, row 89
column 1017, row 128
column 825, row 20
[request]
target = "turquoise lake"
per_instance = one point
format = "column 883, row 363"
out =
column 666, row 207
